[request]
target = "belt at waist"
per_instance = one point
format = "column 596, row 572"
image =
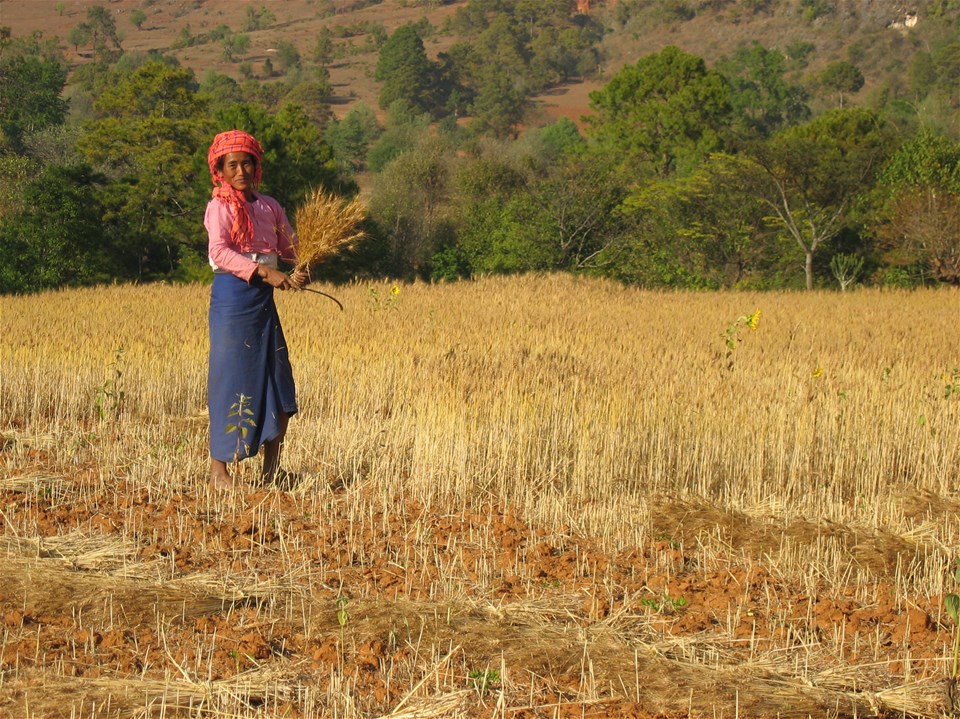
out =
column 270, row 259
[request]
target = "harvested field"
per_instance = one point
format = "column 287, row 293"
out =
column 528, row 497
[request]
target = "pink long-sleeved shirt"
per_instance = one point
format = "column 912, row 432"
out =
column 271, row 234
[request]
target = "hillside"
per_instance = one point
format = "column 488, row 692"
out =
column 861, row 31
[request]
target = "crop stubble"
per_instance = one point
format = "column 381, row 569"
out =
column 510, row 497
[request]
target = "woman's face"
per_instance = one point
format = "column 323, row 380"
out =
column 239, row 169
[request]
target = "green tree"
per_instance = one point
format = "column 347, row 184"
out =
column 79, row 35
column 550, row 62
column 947, row 62
column 138, row 17
column 405, row 127
column 922, row 74
column 410, row 202
column 574, row 209
column 841, row 77
column 503, row 45
column 323, row 48
column 497, row 239
column 665, row 112
column 312, row 96
column 761, row 99
column 30, row 91
column 57, row 237
column 102, row 30
column 287, row 55
column 235, row 44
column 351, row 137
column 499, row 105
column 258, row 18
column 492, row 208
column 405, row 72
column 15, row 172
column 220, row 90
column 150, row 124
column 552, row 142
column 919, row 197
column 813, row 173
column 706, row 229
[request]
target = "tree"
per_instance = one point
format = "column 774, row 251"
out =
column 409, row 202
column 405, row 127
column 665, row 112
column 352, row 136
column 575, row 209
column 15, row 172
column 220, row 90
column 922, row 74
column 287, row 55
column 30, row 92
column 552, row 210
column 150, row 125
column 813, row 173
column 102, row 31
column 57, row 237
column 405, row 71
column 705, row 229
column 312, row 96
column 79, row 35
column 552, row 142
column 919, row 217
column 841, row 77
column 138, row 17
column 761, row 99
column 323, row 48
column 235, row 44
column 498, row 106
column 258, row 18
column 947, row 62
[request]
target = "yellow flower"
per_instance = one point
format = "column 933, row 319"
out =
column 395, row 290
column 817, row 372
column 753, row 320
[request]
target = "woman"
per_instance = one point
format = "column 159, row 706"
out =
column 250, row 389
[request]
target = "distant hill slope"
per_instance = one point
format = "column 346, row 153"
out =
column 874, row 34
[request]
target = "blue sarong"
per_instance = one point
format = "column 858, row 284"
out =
column 250, row 381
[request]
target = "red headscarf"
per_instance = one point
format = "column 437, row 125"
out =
column 224, row 144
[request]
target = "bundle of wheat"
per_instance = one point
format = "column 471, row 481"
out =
column 326, row 225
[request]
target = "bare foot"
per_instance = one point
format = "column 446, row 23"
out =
column 219, row 476
column 271, row 453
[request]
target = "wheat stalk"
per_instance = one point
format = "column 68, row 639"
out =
column 326, row 225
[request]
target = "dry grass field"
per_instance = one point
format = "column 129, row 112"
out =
column 527, row 497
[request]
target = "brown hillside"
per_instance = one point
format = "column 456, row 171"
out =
column 855, row 29
column 298, row 22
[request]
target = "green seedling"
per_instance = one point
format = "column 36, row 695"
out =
column 242, row 420
column 110, row 394
column 665, row 604
column 483, row 680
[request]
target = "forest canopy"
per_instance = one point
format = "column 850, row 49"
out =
column 766, row 168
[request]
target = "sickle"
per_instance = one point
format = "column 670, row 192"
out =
column 309, row 289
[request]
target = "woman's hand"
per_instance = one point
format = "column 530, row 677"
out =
column 300, row 279
column 274, row 278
